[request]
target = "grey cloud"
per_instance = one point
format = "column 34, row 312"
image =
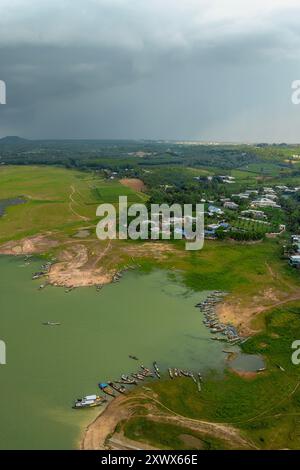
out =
column 138, row 69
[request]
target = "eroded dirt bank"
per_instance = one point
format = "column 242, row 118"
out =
column 102, row 433
column 36, row 244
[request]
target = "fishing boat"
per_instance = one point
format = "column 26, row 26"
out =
column 38, row 275
column 156, row 369
column 89, row 401
column 138, row 376
column 126, row 381
column 171, row 373
column 120, row 389
column 51, row 323
column 133, row 357
column 146, row 372
column 193, row 377
column 106, row 389
column 199, row 385
column 126, row 378
column 184, row 372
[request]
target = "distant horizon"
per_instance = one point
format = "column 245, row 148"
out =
column 177, row 141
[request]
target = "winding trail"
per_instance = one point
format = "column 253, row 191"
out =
column 73, row 191
column 99, row 433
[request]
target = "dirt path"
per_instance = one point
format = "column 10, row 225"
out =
column 73, row 191
column 241, row 316
column 253, row 418
column 104, row 253
column 100, row 434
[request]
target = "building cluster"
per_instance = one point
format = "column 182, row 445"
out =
column 294, row 259
column 251, row 201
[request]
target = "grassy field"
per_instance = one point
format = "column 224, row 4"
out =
column 57, row 199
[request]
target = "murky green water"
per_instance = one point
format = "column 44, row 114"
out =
column 247, row 362
column 4, row 203
column 149, row 316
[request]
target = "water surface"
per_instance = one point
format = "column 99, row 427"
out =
column 147, row 315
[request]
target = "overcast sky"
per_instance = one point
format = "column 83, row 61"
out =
column 157, row 69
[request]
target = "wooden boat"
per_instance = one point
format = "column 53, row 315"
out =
column 106, row 389
column 138, row 376
column 126, row 378
column 156, row 369
column 120, row 389
column 193, row 377
column 126, row 382
column 133, row 357
column 89, row 401
column 146, row 372
column 51, row 323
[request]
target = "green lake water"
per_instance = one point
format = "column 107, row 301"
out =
column 147, row 315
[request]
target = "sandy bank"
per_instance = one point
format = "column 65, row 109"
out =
column 28, row 246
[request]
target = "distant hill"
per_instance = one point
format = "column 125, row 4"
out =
column 13, row 139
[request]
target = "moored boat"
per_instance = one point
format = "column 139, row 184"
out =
column 156, row 369
column 138, row 376
column 106, row 389
column 90, row 401
column 118, row 388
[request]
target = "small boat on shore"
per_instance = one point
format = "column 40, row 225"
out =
column 146, row 372
column 38, row 275
column 106, row 389
column 89, row 401
column 118, row 388
column 193, row 377
column 156, row 369
column 127, row 381
column 138, row 376
column 170, row 373
column 69, row 289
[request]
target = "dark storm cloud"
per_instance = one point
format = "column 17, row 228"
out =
column 134, row 69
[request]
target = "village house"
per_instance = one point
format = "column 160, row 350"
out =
column 254, row 213
column 214, row 210
column 265, row 202
column 230, row 205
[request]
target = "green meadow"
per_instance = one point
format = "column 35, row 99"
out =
column 56, row 199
